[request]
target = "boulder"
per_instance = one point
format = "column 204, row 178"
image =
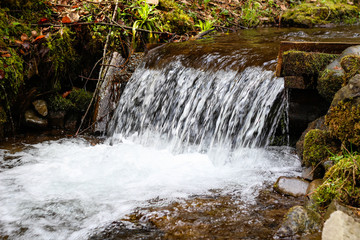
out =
column 41, row 107
column 319, row 123
column 35, row 121
column 335, row 205
column 319, row 145
column 341, row 226
column 292, row 186
column 314, row 185
column 350, row 91
column 332, row 78
column 299, row 221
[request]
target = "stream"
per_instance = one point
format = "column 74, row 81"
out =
column 187, row 154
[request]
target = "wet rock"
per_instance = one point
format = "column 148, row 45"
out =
column 33, row 120
column 115, row 80
column 299, row 221
column 350, row 91
column 313, row 185
column 341, row 226
column 311, row 173
column 291, row 186
column 319, row 145
column 335, row 205
column 327, row 164
column 316, row 124
column 57, row 119
column 41, row 107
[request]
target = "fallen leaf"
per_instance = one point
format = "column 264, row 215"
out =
column 19, row 42
column 43, row 20
column 22, row 52
column 66, row 19
column 65, row 94
column 7, row 55
column 2, row 74
column 38, row 38
column 24, row 37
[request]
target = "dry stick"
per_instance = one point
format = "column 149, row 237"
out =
column 98, row 23
column 93, row 70
column 98, row 83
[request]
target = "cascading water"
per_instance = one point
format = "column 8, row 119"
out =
column 178, row 131
column 206, row 108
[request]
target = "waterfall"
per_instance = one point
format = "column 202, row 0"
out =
column 200, row 106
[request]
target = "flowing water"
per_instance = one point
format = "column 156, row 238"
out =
column 187, row 154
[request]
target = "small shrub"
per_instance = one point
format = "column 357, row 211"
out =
column 80, row 98
column 58, row 103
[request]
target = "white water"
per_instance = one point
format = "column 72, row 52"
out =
column 66, row 188
column 177, row 132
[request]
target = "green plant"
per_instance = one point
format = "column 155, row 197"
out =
column 147, row 21
column 80, row 98
column 205, row 26
column 58, row 103
column 250, row 13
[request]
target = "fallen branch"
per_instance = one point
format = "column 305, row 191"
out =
column 99, row 23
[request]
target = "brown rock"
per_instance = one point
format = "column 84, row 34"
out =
column 41, row 107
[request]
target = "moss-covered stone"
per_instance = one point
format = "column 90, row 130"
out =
column 310, row 14
column 176, row 21
column 318, row 147
column 329, row 82
column 58, row 103
column 299, row 63
column 80, row 98
column 342, row 182
column 351, row 66
column 343, row 121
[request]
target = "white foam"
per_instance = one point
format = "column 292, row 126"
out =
column 66, row 188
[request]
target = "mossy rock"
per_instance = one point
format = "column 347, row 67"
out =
column 342, row 182
column 318, row 147
column 299, row 63
column 351, row 66
column 58, row 103
column 343, row 121
column 177, row 21
column 80, row 98
column 308, row 14
column 329, row 82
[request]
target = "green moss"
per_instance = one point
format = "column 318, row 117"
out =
column 62, row 56
column 342, row 182
column 298, row 63
column 343, row 121
column 11, row 76
column 176, row 21
column 58, row 103
column 329, row 82
column 351, row 66
column 310, row 14
column 80, row 98
column 318, row 146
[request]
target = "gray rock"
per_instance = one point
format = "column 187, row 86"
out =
column 41, row 107
column 337, row 206
column 311, row 173
column 341, row 226
column 291, row 186
column 33, row 120
column 299, row 221
column 350, row 91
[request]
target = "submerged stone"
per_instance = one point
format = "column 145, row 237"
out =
column 292, row 186
column 341, row 226
column 299, row 221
